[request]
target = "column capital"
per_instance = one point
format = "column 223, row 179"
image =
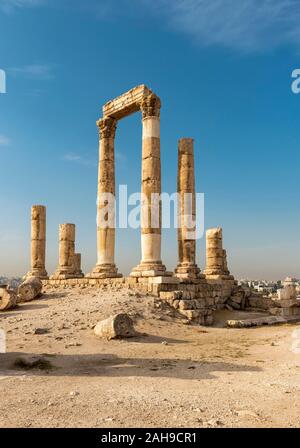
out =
column 150, row 106
column 107, row 127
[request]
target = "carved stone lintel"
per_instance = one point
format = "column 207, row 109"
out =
column 107, row 127
column 150, row 106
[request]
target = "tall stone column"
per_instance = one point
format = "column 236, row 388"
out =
column 65, row 267
column 187, row 268
column 151, row 264
column 214, row 253
column 105, row 267
column 38, row 242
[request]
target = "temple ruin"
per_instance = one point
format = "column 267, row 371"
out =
column 194, row 294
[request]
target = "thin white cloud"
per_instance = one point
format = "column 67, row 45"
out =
column 247, row 25
column 35, row 71
column 8, row 6
column 77, row 158
column 4, row 141
column 244, row 25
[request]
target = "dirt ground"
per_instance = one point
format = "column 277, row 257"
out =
column 170, row 375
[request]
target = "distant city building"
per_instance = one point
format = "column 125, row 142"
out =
column 13, row 282
column 269, row 287
column 290, row 281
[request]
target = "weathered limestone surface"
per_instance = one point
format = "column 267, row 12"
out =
column 68, row 265
column 30, row 289
column 139, row 98
column 118, row 326
column 38, row 242
column 214, row 254
column 257, row 322
column 77, row 265
column 151, row 264
column 187, row 268
column 8, row 298
column 126, row 104
column 105, row 266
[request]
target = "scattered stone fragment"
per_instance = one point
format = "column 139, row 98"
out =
column 8, row 298
column 260, row 321
column 118, row 326
column 74, row 393
column 30, row 289
column 41, row 331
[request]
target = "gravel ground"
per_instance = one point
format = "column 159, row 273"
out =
column 170, row 375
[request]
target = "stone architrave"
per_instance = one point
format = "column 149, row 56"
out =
column 140, row 98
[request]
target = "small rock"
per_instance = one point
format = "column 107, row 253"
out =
column 74, row 393
column 41, row 331
column 118, row 326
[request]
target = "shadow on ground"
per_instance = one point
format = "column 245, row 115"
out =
column 113, row 366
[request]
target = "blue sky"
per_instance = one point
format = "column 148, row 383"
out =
column 223, row 72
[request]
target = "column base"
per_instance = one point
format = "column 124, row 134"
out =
column 188, row 271
column 42, row 274
column 215, row 274
column 64, row 274
column 149, row 269
column 104, row 271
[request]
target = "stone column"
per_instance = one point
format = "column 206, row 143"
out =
column 77, row 265
column 214, row 253
column 225, row 266
column 187, row 268
column 66, row 252
column 38, row 242
column 151, row 264
column 105, row 267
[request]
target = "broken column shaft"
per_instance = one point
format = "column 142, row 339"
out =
column 214, row 253
column 68, row 265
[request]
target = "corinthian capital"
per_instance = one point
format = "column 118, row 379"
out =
column 150, row 106
column 107, row 127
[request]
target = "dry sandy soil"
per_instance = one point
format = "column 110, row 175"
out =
column 170, row 375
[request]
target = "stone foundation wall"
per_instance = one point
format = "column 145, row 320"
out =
column 196, row 301
column 279, row 304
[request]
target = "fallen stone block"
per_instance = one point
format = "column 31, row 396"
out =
column 30, row 289
column 118, row 326
column 8, row 298
column 258, row 322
